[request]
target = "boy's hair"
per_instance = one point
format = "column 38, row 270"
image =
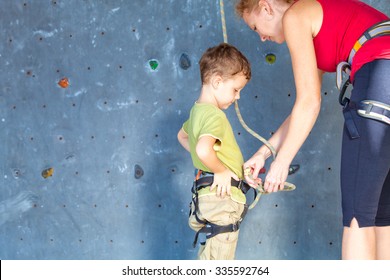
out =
column 225, row 60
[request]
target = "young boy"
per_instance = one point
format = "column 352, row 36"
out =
column 218, row 204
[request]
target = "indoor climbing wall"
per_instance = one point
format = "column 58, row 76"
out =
column 92, row 96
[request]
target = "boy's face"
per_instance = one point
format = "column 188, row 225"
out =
column 229, row 89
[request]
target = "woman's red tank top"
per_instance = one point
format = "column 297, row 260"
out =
column 344, row 21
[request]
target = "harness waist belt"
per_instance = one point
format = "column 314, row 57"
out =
column 377, row 30
column 208, row 181
column 380, row 29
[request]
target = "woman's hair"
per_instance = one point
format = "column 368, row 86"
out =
column 225, row 60
column 243, row 6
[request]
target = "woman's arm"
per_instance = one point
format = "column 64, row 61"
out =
column 257, row 161
column 299, row 23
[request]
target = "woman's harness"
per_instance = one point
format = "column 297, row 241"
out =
column 371, row 109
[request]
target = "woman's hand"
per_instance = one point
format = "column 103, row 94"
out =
column 254, row 164
column 276, row 176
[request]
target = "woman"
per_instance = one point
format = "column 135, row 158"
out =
column 320, row 34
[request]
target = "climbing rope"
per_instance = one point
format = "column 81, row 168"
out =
column 222, row 8
column 247, row 172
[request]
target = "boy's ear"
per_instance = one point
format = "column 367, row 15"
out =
column 215, row 81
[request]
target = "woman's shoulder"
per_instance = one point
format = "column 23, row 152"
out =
column 304, row 13
column 306, row 8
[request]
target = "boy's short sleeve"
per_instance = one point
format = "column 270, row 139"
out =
column 214, row 126
column 185, row 126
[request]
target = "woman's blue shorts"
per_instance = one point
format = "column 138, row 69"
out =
column 365, row 161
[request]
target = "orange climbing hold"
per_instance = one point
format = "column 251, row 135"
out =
column 64, row 82
column 47, row 172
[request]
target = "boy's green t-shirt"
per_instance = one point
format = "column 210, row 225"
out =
column 207, row 119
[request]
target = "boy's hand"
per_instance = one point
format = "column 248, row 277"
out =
column 223, row 180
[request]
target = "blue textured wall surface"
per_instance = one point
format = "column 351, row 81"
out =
column 93, row 170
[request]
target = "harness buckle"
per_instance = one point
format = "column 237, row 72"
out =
column 342, row 67
column 209, row 230
column 343, row 99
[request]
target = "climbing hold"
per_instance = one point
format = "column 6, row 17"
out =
column 153, row 63
column 16, row 173
column 293, row 169
column 64, row 82
column 138, row 171
column 270, row 58
column 47, row 172
column 185, row 61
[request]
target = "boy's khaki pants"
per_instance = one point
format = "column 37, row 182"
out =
column 219, row 211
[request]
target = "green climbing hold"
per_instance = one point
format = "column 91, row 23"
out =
column 153, row 64
column 270, row 58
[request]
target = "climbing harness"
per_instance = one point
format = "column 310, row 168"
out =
column 374, row 110
column 205, row 179
column 380, row 29
column 366, row 108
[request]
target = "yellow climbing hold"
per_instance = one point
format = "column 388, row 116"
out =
column 270, row 58
column 47, row 172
